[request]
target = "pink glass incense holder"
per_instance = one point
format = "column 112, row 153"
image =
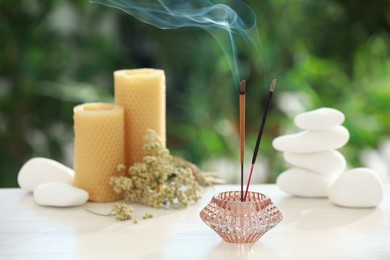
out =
column 240, row 222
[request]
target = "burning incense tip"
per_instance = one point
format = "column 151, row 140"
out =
column 273, row 85
column 242, row 87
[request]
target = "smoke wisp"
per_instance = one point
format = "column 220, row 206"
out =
column 235, row 18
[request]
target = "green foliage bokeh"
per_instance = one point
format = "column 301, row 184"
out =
column 57, row 54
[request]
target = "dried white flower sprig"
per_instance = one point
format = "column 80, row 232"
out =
column 121, row 211
column 160, row 181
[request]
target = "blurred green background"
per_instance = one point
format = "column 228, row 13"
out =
column 57, row 54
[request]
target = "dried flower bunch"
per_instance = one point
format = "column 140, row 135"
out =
column 160, row 181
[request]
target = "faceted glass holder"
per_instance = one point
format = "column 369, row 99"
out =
column 240, row 222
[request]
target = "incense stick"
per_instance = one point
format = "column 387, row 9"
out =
column 242, row 133
column 268, row 102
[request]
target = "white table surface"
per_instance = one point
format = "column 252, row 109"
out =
column 311, row 229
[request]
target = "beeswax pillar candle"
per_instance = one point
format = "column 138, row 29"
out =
column 99, row 148
column 141, row 92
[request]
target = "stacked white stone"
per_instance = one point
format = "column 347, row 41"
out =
column 313, row 153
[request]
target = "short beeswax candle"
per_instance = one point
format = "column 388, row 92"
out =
column 141, row 92
column 99, row 148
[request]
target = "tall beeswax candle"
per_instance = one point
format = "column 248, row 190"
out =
column 141, row 92
column 99, row 148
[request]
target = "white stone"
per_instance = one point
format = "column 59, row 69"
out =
column 309, row 141
column 304, row 183
column 59, row 194
column 357, row 188
column 39, row 170
column 321, row 118
column 327, row 162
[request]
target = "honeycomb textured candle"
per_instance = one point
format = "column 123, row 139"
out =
column 99, row 148
column 141, row 92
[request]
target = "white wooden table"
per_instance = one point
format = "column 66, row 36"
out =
column 311, row 229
